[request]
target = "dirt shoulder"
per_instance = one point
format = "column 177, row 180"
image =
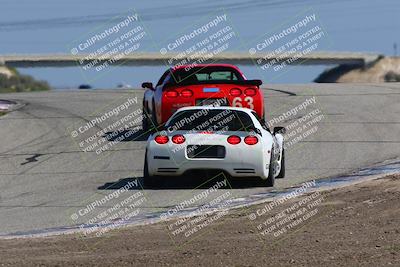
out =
column 352, row 226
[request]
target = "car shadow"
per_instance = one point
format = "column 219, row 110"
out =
column 130, row 183
column 183, row 182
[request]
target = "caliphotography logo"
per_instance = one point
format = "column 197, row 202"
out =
column 200, row 43
column 108, row 45
column 294, row 42
column 284, row 215
column 102, row 213
column 108, row 128
column 198, row 211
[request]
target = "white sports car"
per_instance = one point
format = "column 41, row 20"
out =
column 229, row 139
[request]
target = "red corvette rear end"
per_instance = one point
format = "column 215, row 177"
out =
column 212, row 84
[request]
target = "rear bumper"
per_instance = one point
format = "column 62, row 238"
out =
column 236, row 163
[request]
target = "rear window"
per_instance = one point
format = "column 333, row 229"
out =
column 203, row 74
column 211, row 120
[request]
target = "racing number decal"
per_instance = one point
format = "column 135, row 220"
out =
column 237, row 102
column 249, row 101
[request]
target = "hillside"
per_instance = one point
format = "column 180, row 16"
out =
column 385, row 69
column 12, row 81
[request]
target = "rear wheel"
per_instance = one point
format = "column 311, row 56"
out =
column 149, row 122
column 282, row 172
column 153, row 119
column 271, row 178
column 145, row 121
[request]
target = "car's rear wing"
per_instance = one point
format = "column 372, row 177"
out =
column 189, row 82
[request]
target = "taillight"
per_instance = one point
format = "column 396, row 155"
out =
column 161, row 139
column 251, row 140
column 235, row 92
column 186, row 93
column 250, row 92
column 171, row 93
column 233, row 139
column 178, row 139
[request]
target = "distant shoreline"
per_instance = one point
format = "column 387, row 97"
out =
column 384, row 69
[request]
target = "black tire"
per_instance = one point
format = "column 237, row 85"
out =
column 149, row 122
column 145, row 121
column 270, row 182
column 282, row 172
column 153, row 120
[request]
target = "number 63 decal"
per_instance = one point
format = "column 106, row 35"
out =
column 237, row 102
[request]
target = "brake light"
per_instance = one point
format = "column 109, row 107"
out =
column 171, row 93
column 186, row 93
column 250, row 92
column 178, row 139
column 207, row 132
column 235, row 92
column 251, row 140
column 161, row 139
column 233, row 139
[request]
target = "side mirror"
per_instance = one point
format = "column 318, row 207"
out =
column 279, row 130
column 148, row 85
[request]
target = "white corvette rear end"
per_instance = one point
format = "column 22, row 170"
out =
column 228, row 139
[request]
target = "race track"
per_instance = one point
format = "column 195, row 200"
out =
column 45, row 177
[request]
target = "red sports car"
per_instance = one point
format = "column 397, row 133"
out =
column 211, row 84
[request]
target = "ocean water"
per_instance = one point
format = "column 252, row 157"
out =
column 48, row 27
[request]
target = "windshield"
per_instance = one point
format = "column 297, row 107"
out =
column 211, row 120
column 204, row 74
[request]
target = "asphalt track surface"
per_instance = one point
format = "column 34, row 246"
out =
column 46, row 178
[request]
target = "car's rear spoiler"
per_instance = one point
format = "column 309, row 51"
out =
column 243, row 82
